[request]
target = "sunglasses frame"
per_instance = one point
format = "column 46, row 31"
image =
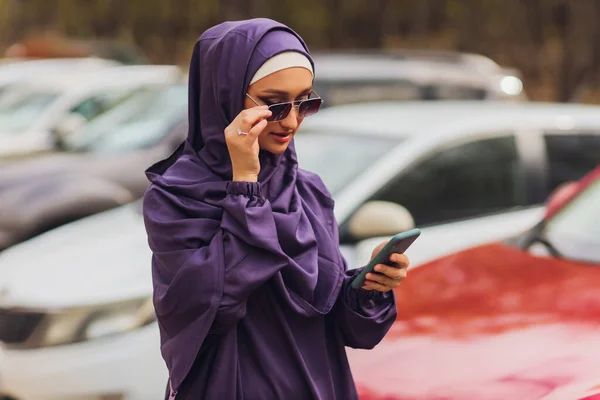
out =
column 294, row 104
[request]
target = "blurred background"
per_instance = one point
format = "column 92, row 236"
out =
column 554, row 43
column 474, row 120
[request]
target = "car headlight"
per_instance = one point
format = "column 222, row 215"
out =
column 511, row 85
column 87, row 323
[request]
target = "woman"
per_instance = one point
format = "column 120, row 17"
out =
column 252, row 295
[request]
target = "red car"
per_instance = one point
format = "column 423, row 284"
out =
column 516, row 320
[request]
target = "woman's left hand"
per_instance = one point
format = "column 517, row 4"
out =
column 387, row 277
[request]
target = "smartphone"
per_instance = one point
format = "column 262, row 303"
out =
column 398, row 244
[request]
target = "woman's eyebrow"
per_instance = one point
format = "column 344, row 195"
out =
column 283, row 92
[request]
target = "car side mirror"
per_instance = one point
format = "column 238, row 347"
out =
column 377, row 218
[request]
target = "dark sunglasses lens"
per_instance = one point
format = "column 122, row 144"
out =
column 309, row 107
column 279, row 111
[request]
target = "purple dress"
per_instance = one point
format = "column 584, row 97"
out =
column 252, row 295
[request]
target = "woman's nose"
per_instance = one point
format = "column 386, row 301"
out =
column 291, row 121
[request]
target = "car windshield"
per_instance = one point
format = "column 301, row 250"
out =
column 339, row 159
column 575, row 231
column 338, row 93
column 20, row 106
column 139, row 122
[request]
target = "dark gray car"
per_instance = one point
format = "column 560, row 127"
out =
column 39, row 194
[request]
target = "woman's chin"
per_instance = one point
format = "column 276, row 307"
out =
column 276, row 146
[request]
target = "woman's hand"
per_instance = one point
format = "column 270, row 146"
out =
column 243, row 147
column 387, row 277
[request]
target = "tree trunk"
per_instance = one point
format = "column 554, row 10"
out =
column 336, row 23
column 469, row 26
column 563, row 19
column 535, row 27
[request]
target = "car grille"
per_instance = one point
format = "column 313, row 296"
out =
column 17, row 326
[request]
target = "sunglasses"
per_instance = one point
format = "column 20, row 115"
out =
column 304, row 108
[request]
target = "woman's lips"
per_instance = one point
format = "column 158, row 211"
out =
column 281, row 137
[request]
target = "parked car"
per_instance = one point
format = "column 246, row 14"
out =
column 29, row 111
column 101, row 166
column 137, row 122
column 517, row 319
column 92, row 276
column 468, row 172
column 343, row 77
column 503, row 81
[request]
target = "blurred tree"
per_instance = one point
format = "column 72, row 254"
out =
column 555, row 43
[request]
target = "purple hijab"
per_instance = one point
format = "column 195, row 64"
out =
column 214, row 242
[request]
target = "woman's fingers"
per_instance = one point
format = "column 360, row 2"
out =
column 248, row 118
column 390, row 281
column 257, row 129
column 391, row 271
column 387, row 277
column 401, row 260
column 370, row 285
column 241, row 137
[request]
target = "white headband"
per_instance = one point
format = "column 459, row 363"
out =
column 287, row 59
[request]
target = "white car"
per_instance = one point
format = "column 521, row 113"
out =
column 344, row 77
column 30, row 111
column 468, row 172
column 75, row 303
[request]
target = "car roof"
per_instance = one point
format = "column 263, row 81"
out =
column 9, row 64
column 407, row 119
column 107, row 76
column 399, row 55
column 420, row 68
column 25, row 70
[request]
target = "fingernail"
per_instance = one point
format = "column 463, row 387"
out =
column 378, row 268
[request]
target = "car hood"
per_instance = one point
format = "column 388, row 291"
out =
column 96, row 260
column 492, row 322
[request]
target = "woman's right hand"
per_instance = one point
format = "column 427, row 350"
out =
column 243, row 148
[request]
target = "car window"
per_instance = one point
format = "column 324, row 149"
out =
column 339, row 159
column 462, row 181
column 347, row 92
column 20, row 106
column 338, row 93
column 452, row 92
column 96, row 105
column 138, row 122
column 571, row 156
column 575, row 231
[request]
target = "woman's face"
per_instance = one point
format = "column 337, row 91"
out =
column 289, row 84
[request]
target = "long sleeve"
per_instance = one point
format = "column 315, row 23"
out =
column 205, row 270
column 363, row 317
